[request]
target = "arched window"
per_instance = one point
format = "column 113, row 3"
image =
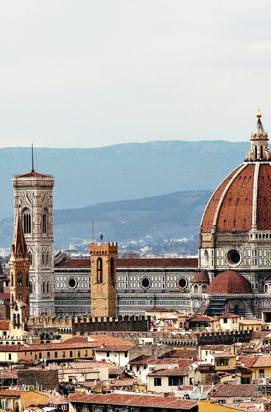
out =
column 112, row 270
column 43, row 286
column 45, row 221
column 19, row 280
column 27, row 226
column 30, row 287
column 45, row 258
column 99, row 270
column 47, row 286
column 30, row 258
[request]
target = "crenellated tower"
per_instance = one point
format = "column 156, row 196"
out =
column 33, row 199
column 103, row 279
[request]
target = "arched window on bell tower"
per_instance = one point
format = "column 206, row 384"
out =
column 20, row 280
column 45, row 221
column 27, row 224
column 99, row 270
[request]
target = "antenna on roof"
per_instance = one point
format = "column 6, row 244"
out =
column 32, row 156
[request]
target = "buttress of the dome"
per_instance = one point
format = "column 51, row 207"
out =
column 259, row 150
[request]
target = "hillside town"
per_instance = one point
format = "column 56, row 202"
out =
column 102, row 332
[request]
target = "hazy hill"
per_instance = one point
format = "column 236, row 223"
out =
column 126, row 171
column 160, row 217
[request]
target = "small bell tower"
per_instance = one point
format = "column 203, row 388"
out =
column 19, row 278
column 103, row 279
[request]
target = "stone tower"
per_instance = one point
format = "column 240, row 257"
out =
column 103, row 279
column 19, row 279
column 33, row 199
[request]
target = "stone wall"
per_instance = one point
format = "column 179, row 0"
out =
column 39, row 379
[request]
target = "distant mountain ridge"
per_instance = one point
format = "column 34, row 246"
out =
column 125, row 171
column 174, row 215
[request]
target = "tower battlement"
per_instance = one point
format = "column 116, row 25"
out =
column 98, row 249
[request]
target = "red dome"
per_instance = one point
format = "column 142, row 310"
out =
column 243, row 199
column 201, row 277
column 229, row 282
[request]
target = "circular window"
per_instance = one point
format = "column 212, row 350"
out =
column 182, row 283
column 72, row 283
column 233, row 257
column 145, row 283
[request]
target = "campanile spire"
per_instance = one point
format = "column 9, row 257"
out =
column 258, row 143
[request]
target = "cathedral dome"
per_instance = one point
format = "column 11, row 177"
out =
column 242, row 202
column 201, row 277
column 229, row 282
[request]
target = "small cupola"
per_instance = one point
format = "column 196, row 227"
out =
column 258, row 143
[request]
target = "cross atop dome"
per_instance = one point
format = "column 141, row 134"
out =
column 258, row 143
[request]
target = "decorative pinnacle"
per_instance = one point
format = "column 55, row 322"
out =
column 259, row 114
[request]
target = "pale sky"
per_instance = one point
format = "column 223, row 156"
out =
column 86, row 73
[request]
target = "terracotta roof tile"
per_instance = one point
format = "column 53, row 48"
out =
column 232, row 390
column 229, row 282
column 133, row 262
column 169, row 372
column 134, row 400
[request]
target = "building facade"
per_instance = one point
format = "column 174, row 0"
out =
column 33, row 199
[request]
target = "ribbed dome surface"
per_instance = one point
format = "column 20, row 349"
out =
column 201, row 277
column 242, row 199
column 229, row 282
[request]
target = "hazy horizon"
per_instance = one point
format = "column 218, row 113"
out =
column 95, row 73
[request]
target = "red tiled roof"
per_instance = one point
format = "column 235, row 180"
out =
column 235, row 390
column 201, row 277
column 133, row 262
column 183, row 353
column 113, row 348
column 126, row 399
column 169, row 372
column 208, row 217
column 12, row 392
column 33, row 174
column 229, row 282
column 233, row 204
column 4, row 324
column 48, row 346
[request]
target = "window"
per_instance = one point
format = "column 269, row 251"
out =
column 44, row 227
column 222, row 362
column 63, row 354
column 55, row 354
column 9, row 356
column 86, row 352
column 107, row 354
column 78, row 353
column 261, row 373
column 157, row 381
column 48, row 355
column 175, row 380
column 19, row 280
column 99, row 270
column 27, row 221
column 30, row 288
column 71, row 354
column 225, row 320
